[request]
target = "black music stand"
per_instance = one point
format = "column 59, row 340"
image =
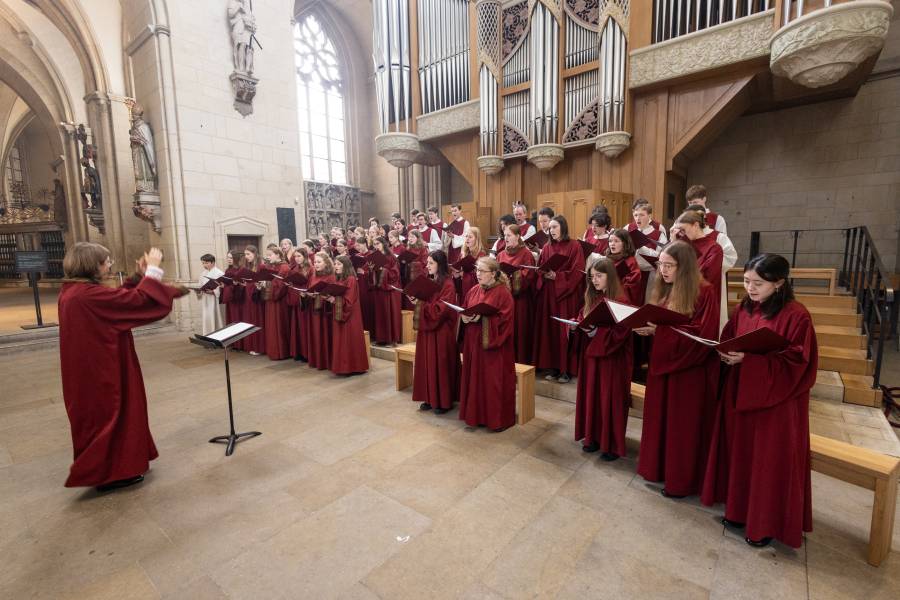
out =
column 223, row 338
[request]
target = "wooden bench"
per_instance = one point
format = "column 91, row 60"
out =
column 859, row 466
column 525, row 374
column 407, row 333
column 812, row 274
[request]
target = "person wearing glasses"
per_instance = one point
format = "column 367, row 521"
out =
column 488, row 385
column 759, row 463
column 682, row 383
column 103, row 389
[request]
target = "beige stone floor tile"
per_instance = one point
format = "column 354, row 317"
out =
column 871, row 420
column 325, row 554
column 326, row 485
column 130, row 583
column 833, row 576
column 5, row 456
column 203, row 588
column 40, row 438
column 745, row 573
column 357, row 591
column 497, row 447
column 554, row 411
column 330, row 443
column 479, row 591
column 559, row 447
column 540, row 559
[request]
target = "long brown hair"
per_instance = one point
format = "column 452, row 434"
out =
column 302, row 251
column 627, row 244
column 83, row 261
column 347, row 271
column 255, row 263
column 613, row 285
column 479, row 246
column 329, row 266
column 682, row 294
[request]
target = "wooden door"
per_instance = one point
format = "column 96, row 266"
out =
column 239, row 242
column 578, row 208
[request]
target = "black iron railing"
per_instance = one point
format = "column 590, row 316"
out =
column 862, row 273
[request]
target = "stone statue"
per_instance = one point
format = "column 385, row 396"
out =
column 243, row 26
column 60, row 210
column 142, row 153
column 90, row 187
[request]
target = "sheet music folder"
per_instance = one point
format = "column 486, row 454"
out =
column 228, row 335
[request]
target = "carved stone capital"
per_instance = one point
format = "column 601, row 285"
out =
column 613, row 143
column 244, row 87
column 490, row 164
column 399, row 149
column 545, row 156
column 824, row 46
column 727, row 44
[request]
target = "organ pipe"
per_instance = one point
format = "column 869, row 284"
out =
column 390, row 54
column 443, row 53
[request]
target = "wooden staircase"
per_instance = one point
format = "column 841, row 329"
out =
column 842, row 346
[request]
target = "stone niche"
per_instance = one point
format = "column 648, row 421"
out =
column 824, row 46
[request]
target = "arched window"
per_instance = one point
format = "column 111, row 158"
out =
column 320, row 103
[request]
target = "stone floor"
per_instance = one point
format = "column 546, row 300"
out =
column 17, row 307
column 352, row 493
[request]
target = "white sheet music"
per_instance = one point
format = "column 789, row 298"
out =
column 230, row 331
column 620, row 311
column 453, row 306
column 566, row 321
column 699, row 339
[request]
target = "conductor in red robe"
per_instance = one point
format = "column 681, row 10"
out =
column 682, row 384
column 521, row 283
column 604, row 380
column 101, row 378
column 488, row 388
column 437, row 366
column 759, row 464
column 559, row 295
column 348, row 352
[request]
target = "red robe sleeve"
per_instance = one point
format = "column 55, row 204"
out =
column 344, row 305
column 433, row 313
column 497, row 329
column 710, row 261
column 125, row 308
column 279, row 287
column 681, row 352
column 767, row 380
column 632, row 284
column 569, row 277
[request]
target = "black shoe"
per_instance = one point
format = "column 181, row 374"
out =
column 591, row 447
column 441, row 411
column 732, row 524
column 609, row 456
column 564, row 378
column 424, row 406
column 672, row 496
column 760, row 543
column 121, row 483
column 500, row 429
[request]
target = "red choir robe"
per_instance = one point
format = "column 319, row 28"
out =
column 278, row 316
column 680, row 401
column 319, row 337
column 468, row 279
column 348, row 354
column 601, row 244
column 232, row 296
column 386, row 302
column 412, row 270
column 709, row 259
column 631, row 283
column 759, row 462
column 253, row 311
column 103, row 389
column 656, row 235
column 455, row 227
column 299, row 320
column 366, row 298
column 522, row 285
column 488, row 387
column 560, row 297
column 437, row 366
column 604, row 388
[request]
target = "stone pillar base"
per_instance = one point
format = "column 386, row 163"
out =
column 613, row 143
column 490, row 164
column 545, row 156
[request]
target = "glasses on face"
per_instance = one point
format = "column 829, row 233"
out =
column 666, row 266
column 483, row 271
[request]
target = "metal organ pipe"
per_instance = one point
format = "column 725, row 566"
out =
column 443, row 53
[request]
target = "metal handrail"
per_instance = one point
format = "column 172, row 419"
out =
column 863, row 274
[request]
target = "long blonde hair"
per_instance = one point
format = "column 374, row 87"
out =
column 479, row 247
column 329, row 266
column 682, row 294
column 489, row 263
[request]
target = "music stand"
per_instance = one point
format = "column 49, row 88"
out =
column 223, row 338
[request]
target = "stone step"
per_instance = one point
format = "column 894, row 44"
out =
column 841, row 317
column 841, row 337
column 42, row 339
column 858, row 390
column 845, row 360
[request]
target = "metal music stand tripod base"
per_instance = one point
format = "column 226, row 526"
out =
column 231, row 439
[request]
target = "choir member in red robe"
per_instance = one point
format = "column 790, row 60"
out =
column 101, row 378
column 232, row 295
column 642, row 212
column 473, row 247
column 300, row 308
column 254, row 309
column 319, row 336
column 759, row 463
column 604, row 380
column 363, row 276
column 278, row 313
column 437, row 366
column 348, row 355
column 397, row 246
column 488, row 387
column 457, row 232
column 341, row 248
column 521, row 283
column 287, row 250
column 323, row 244
column 559, row 295
column 688, row 227
column 386, row 300
column 681, row 395
column 504, row 222
column 597, row 233
column 415, row 268
column 621, row 252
